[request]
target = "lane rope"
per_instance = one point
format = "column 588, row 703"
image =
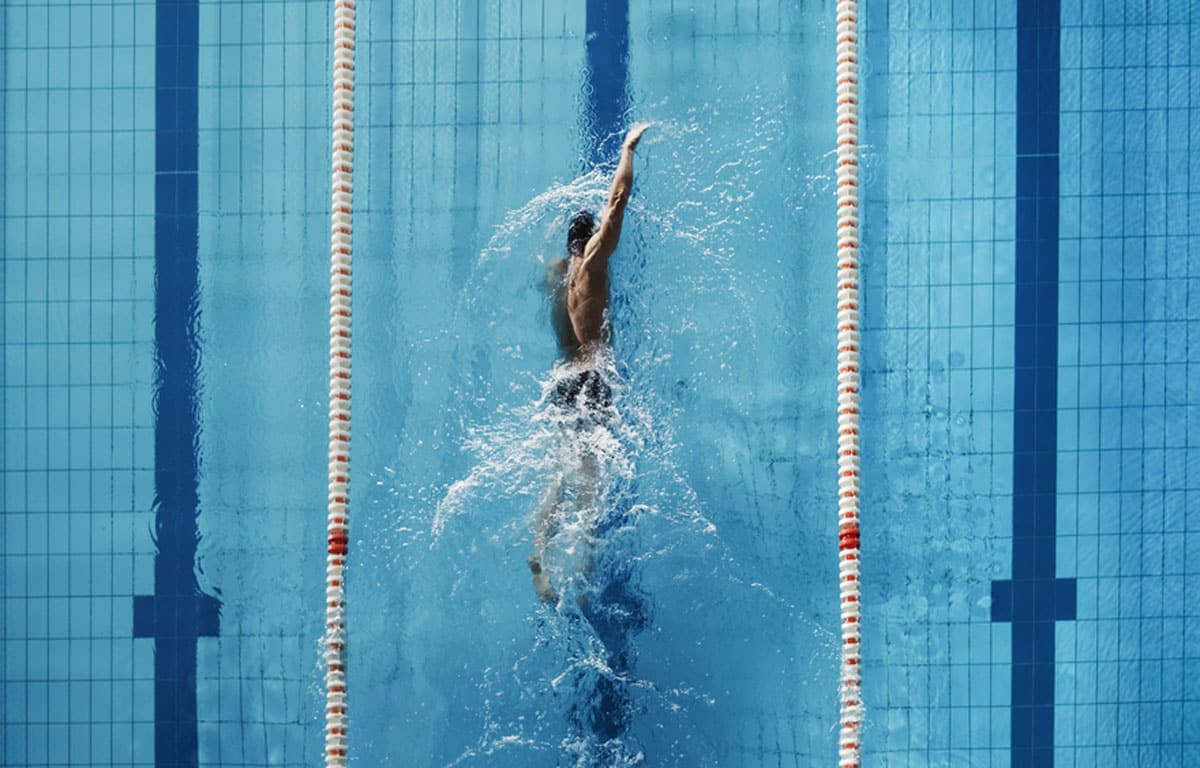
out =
column 341, row 245
column 850, row 674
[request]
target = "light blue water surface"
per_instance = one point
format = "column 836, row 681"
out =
column 720, row 538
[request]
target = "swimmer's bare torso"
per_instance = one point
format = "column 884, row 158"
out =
column 586, row 300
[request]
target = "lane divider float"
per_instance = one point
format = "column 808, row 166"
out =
column 850, row 673
column 341, row 246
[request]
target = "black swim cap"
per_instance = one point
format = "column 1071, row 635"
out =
column 580, row 229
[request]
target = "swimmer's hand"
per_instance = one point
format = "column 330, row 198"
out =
column 634, row 136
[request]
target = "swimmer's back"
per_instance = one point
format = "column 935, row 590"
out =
column 587, row 279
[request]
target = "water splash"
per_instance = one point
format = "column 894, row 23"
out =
column 604, row 675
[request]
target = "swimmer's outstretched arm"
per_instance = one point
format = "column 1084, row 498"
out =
column 604, row 242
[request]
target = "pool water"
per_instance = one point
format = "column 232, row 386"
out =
column 1030, row 385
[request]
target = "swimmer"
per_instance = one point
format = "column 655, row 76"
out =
column 579, row 292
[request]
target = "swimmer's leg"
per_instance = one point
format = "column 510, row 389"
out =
column 544, row 528
column 589, row 513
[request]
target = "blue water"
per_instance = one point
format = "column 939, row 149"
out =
column 1030, row 389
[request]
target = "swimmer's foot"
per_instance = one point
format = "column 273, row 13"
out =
column 541, row 581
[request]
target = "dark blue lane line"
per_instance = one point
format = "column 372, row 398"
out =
column 616, row 609
column 177, row 613
column 606, row 86
column 1034, row 599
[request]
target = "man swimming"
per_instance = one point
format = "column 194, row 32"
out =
column 579, row 286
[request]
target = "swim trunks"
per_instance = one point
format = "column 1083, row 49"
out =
column 585, row 393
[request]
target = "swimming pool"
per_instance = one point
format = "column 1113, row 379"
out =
column 1029, row 394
